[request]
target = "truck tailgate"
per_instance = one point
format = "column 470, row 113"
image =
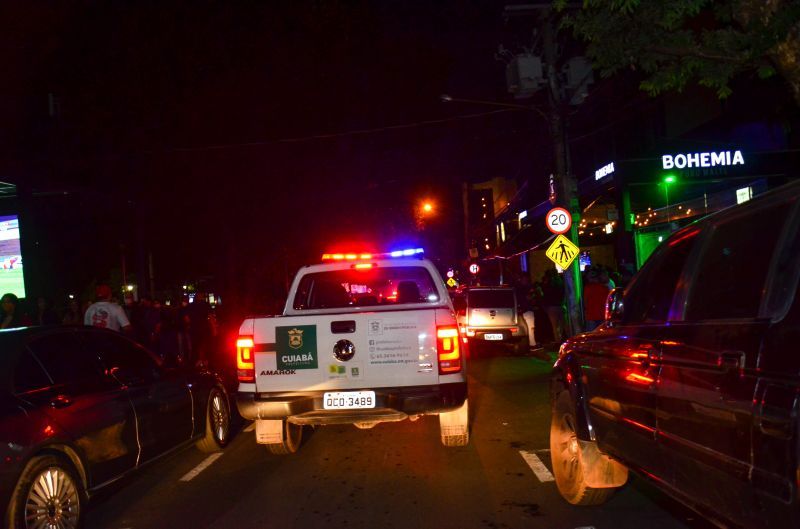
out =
column 345, row 351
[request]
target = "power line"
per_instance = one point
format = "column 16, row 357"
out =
column 357, row 132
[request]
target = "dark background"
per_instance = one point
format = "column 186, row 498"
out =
column 239, row 140
column 236, row 142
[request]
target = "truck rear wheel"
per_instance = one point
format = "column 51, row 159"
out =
column 290, row 437
column 454, row 426
column 569, row 464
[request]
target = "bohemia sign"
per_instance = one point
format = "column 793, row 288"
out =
column 702, row 159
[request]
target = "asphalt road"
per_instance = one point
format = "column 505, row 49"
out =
column 394, row 475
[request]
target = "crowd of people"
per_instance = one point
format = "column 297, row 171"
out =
column 544, row 302
column 180, row 332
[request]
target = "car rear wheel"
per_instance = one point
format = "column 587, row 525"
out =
column 291, row 437
column 454, row 426
column 48, row 494
column 567, row 457
column 522, row 347
column 218, row 423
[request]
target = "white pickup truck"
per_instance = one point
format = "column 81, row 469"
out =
column 363, row 339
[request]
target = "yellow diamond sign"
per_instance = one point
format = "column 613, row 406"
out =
column 562, row 252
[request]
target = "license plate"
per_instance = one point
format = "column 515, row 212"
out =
column 493, row 336
column 348, row 400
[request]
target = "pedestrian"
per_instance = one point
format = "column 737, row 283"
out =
column 105, row 314
column 45, row 315
column 11, row 316
column 73, row 315
column 130, row 305
column 553, row 302
column 198, row 314
column 595, row 293
column 167, row 341
column 524, row 293
column 140, row 313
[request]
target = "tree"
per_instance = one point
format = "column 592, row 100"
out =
column 678, row 42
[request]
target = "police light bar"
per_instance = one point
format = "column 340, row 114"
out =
column 345, row 256
column 410, row 252
column 406, row 253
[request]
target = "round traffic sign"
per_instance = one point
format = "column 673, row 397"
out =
column 474, row 268
column 450, row 273
column 558, row 220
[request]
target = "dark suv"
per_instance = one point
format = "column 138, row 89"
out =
column 694, row 379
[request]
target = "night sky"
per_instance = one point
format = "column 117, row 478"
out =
column 233, row 136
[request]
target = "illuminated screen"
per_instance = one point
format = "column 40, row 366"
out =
column 11, row 277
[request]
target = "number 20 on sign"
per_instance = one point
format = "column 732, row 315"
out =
column 558, row 221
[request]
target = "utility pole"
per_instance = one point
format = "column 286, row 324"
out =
column 565, row 182
column 566, row 185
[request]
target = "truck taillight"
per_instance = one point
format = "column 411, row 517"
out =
column 245, row 360
column 449, row 349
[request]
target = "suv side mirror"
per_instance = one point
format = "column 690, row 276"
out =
column 614, row 305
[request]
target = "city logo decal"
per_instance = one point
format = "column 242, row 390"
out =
column 296, row 347
column 295, row 338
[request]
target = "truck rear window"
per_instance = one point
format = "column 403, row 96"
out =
column 491, row 299
column 388, row 286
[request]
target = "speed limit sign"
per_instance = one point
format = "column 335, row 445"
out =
column 558, row 220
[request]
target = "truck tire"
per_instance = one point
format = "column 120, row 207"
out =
column 292, row 436
column 567, row 457
column 218, row 423
column 51, row 481
column 454, row 426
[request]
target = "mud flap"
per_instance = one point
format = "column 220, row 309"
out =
column 599, row 470
column 455, row 422
column 269, row 431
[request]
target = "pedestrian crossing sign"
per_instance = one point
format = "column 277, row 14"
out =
column 562, row 252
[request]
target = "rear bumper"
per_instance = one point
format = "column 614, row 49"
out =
column 508, row 336
column 305, row 407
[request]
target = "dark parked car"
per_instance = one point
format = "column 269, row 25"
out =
column 694, row 380
column 81, row 408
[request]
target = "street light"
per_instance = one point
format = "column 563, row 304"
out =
column 668, row 181
column 427, row 207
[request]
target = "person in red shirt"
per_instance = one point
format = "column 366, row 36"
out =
column 595, row 293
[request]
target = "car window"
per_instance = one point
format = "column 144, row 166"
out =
column 394, row 285
column 29, row 374
column 488, row 299
column 122, row 356
column 730, row 277
column 649, row 297
column 66, row 359
column 785, row 272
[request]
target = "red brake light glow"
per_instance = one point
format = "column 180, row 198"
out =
column 449, row 349
column 245, row 359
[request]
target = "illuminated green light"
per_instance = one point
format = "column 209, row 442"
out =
column 670, row 179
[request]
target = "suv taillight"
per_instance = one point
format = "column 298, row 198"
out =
column 245, row 360
column 447, row 345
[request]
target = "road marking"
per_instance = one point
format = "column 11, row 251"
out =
column 201, row 467
column 251, row 427
column 537, row 466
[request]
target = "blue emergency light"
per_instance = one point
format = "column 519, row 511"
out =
column 406, row 253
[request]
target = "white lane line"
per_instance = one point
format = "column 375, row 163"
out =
column 251, row 427
column 201, row 467
column 537, row 466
